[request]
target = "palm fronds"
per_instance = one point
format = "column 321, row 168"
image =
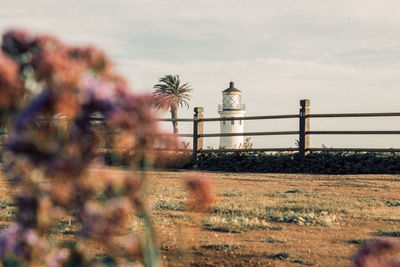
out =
column 169, row 93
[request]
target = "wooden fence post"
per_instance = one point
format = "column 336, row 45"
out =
column 197, row 130
column 304, row 138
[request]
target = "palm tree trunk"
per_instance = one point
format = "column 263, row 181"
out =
column 174, row 115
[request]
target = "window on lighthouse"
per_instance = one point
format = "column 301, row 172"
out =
column 232, row 122
column 231, row 102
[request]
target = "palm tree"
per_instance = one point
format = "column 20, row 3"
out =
column 169, row 94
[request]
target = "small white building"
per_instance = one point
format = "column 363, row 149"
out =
column 231, row 107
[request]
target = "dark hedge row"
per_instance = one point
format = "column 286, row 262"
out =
column 321, row 162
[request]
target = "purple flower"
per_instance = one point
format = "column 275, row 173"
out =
column 77, row 83
column 20, row 241
column 16, row 42
column 10, row 85
column 27, row 117
column 8, row 239
column 57, row 259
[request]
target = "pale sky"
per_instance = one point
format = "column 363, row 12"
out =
column 342, row 55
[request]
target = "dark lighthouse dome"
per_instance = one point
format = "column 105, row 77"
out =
column 231, row 89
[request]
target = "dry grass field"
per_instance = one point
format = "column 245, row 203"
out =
column 261, row 219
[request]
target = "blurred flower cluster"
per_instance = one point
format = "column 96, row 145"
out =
column 49, row 94
column 201, row 193
column 379, row 253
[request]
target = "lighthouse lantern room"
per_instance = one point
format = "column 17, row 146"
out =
column 231, row 107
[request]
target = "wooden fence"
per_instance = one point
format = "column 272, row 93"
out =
column 303, row 132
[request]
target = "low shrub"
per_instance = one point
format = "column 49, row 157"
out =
column 318, row 162
column 172, row 160
column 165, row 160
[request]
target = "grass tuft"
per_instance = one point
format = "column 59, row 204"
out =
column 294, row 191
column 393, row 233
column 298, row 261
column 221, row 247
column 358, row 241
column 273, row 240
column 280, row 256
column 233, row 224
column 394, row 203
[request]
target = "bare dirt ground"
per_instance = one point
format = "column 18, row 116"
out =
column 269, row 219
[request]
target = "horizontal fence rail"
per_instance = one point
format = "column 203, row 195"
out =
column 252, row 118
column 185, row 135
column 331, row 149
column 185, row 120
column 251, row 150
column 248, row 134
column 354, row 115
column 353, row 132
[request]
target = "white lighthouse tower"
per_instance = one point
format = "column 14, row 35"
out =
column 231, row 107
